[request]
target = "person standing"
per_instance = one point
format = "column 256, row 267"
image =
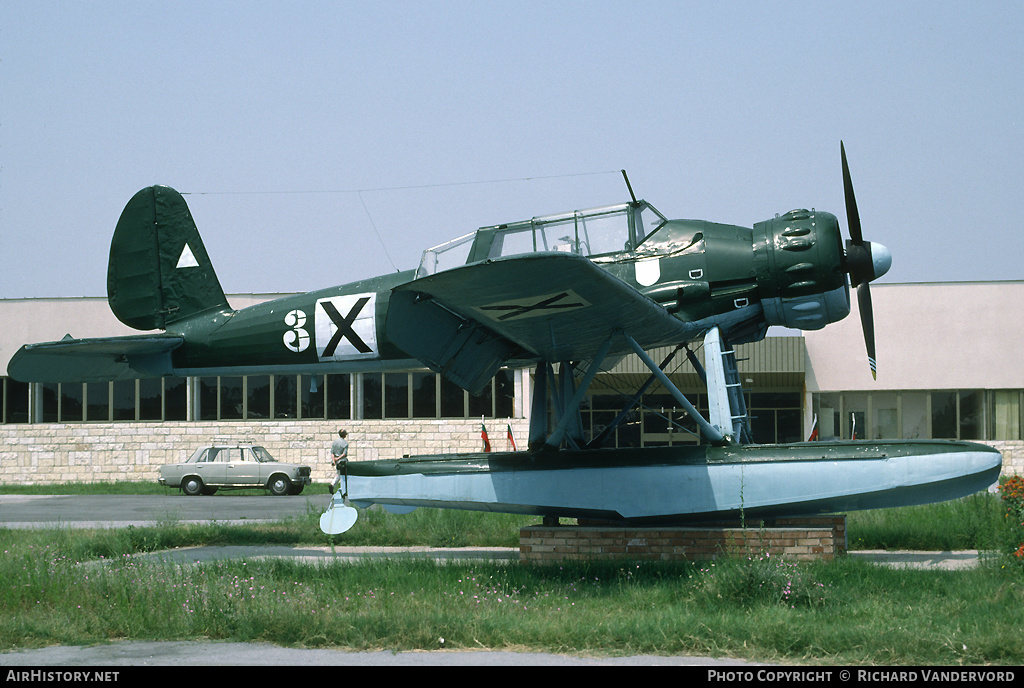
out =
column 339, row 457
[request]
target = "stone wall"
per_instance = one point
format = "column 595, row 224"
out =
column 106, row 452
column 109, row 452
column 1013, row 456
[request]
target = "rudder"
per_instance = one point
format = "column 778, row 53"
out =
column 159, row 271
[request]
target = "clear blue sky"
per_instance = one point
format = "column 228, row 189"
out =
column 312, row 135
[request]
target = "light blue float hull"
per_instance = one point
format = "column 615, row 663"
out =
column 672, row 484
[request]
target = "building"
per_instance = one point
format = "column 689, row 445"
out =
column 946, row 370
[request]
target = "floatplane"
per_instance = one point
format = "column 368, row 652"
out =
column 566, row 295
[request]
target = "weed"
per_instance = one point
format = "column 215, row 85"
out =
column 763, row 580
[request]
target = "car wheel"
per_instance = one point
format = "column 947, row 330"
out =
column 192, row 486
column 279, row 485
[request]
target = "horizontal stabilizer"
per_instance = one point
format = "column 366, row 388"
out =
column 95, row 360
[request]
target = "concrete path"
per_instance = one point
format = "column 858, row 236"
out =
column 211, row 654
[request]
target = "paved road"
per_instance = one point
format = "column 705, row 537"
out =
column 22, row 511
column 195, row 653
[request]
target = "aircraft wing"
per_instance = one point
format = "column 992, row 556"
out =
column 95, row 360
column 468, row 321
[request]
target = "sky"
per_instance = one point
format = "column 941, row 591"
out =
column 320, row 143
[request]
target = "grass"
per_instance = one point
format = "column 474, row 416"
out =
column 71, row 586
column 974, row 522
column 845, row 611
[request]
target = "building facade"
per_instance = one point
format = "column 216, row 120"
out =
column 946, row 370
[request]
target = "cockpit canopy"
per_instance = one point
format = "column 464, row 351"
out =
column 594, row 232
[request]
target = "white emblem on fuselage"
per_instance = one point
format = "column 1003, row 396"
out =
column 346, row 327
column 648, row 271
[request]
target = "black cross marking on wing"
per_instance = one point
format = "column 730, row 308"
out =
column 345, row 327
column 519, row 310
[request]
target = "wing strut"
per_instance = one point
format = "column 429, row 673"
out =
column 624, row 413
column 570, row 407
column 539, row 406
column 712, row 433
column 728, row 411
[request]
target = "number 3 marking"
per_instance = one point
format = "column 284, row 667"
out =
column 297, row 338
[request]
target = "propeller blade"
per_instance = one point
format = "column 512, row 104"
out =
column 852, row 216
column 865, row 262
column 867, row 323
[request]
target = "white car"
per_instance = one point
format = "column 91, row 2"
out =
column 234, row 466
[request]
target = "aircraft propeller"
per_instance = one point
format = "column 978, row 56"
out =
column 865, row 262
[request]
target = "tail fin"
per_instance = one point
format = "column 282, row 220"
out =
column 159, row 271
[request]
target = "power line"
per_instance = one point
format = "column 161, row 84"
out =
column 401, row 188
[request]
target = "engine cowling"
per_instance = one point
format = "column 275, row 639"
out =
column 800, row 270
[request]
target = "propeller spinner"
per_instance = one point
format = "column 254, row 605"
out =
column 865, row 262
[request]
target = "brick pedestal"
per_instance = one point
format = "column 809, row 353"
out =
column 811, row 538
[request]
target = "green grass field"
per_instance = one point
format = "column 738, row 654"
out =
column 70, row 586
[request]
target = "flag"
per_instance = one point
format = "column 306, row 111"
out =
column 511, row 438
column 814, row 429
column 483, row 436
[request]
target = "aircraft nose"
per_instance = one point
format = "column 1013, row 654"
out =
column 881, row 260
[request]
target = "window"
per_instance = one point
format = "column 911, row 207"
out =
column 207, row 398
column 775, row 417
column 885, row 416
column 325, row 396
column 151, row 401
column 828, row 410
column 424, row 395
column 231, row 398
column 417, row 394
column 453, row 400
column 1006, row 415
column 513, row 242
column 312, row 395
column 257, row 397
column 285, row 396
column 967, row 414
column 339, row 396
column 595, row 232
column 15, row 400
column 122, row 402
column 482, row 404
column 71, row 406
column 504, row 393
column 943, row 414
column 175, row 398
column 604, row 233
column 972, row 415
column 373, row 398
column 658, row 420
column 914, row 414
column 396, row 395
column 854, row 419
column 97, row 406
